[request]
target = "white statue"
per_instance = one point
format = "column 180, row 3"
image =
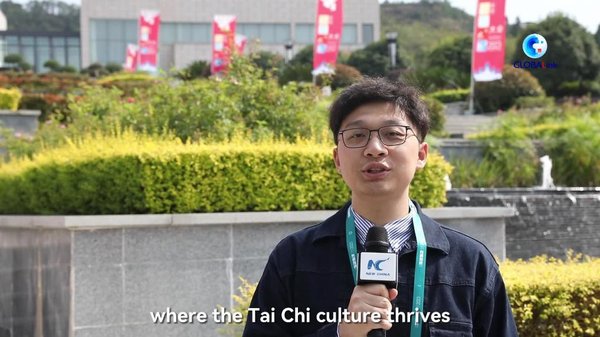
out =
column 547, row 181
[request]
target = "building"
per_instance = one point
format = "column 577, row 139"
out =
column 36, row 48
column 185, row 33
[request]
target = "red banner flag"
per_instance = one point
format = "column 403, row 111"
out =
column 131, row 58
column 148, row 40
column 328, row 33
column 489, row 38
column 223, row 42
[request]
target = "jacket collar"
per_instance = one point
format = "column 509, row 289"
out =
column 335, row 226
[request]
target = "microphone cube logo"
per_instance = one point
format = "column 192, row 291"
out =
column 534, row 46
column 376, row 264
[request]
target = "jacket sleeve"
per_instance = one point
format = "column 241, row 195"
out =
column 493, row 315
column 275, row 292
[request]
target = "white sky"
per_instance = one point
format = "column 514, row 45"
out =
column 586, row 12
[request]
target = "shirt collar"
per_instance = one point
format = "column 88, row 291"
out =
column 399, row 230
column 335, row 226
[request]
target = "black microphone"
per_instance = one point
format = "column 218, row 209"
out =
column 376, row 265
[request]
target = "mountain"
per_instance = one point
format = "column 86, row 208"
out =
column 423, row 25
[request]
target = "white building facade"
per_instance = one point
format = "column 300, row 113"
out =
column 186, row 25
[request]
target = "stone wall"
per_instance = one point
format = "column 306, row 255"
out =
column 101, row 276
column 547, row 221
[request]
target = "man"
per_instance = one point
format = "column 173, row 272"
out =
column 379, row 129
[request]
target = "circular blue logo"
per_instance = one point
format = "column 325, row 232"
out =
column 535, row 46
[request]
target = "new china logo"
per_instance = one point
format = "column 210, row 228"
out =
column 535, row 46
column 376, row 264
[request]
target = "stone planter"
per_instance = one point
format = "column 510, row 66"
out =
column 24, row 122
column 88, row 276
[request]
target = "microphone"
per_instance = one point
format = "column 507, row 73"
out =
column 376, row 265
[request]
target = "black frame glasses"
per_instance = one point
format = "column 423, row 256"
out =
column 391, row 136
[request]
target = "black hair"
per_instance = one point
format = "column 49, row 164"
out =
column 380, row 90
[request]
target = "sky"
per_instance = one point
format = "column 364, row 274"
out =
column 586, row 12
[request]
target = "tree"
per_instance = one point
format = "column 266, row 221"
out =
column 195, row 70
column 112, row 67
column 374, row 60
column 304, row 56
column 17, row 62
column 52, row 65
column 266, row 60
column 597, row 36
column 42, row 16
column 570, row 46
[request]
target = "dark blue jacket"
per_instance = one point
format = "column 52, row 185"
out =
column 310, row 269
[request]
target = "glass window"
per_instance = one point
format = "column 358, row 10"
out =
column 12, row 39
column 29, row 54
column 267, row 33
column 131, row 27
column 116, row 52
column 59, row 54
column 99, row 29
column 27, row 41
column 349, row 35
column 43, row 55
column 184, row 32
column 116, row 30
column 58, row 41
column 99, row 53
column 42, row 41
column 12, row 49
column 73, row 54
column 250, row 30
column 201, row 33
column 168, row 33
column 305, row 33
column 368, row 34
column 282, row 33
column 73, row 41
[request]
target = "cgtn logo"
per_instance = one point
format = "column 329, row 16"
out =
column 535, row 46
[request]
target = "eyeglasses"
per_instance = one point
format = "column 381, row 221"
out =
column 389, row 135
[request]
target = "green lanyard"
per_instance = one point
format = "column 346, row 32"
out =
column 420, row 264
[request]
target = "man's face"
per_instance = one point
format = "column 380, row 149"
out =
column 379, row 170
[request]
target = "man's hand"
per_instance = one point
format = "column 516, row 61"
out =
column 369, row 298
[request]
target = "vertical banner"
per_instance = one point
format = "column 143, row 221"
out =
column 240, row 43
column 328, row 33
column 223, row 42
column 148, row 40
column 131, row 58
column 489, row 38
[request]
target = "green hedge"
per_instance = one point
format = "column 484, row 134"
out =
column 450, row 95
column 548, row 297
column 553, row 298
column 136, row 174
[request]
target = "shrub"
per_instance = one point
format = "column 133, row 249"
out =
column 579, row 88
column 555, row 298
column 450, row 95
column 501, row 94
column 532, row 102
column 548, row 297
column 46, row 103
column 139, row 174
column 344, row 76
column 436, row 114
column 10, row 98
column 195, row 70
column 128, row 82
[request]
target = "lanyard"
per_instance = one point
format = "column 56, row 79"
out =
column 420, row 264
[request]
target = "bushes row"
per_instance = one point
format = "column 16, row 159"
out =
column 569, row 135
column 9, row 99
column 554, row 298
column 548, row 297
column 138, row 174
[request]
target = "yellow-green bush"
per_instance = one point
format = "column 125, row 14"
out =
column 554, row 298
column 10, row 98
column 138, row 174
column 549, row 298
